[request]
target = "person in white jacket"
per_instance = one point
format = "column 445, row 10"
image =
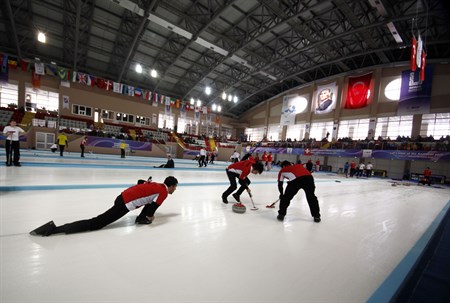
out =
column 12, row 143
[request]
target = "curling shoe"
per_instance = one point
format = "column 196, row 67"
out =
column 317, row 219
column 142, row 220
column 224, row 200
column 236, row 197
column 44, row 230
column 280, row 218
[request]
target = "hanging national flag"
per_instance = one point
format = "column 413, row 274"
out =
column 108, row 85
column 130, row 91
column 419, row 52
column 358, row 91
column 117, row 87
column 39, row 68
column 50, row 69
column 204, row 110
column 100, row 82
column 36, row 80
column 147, row 95
column 12, row 62
column 82, row 78
column 167, row 100
column 155, row 99
column 137, row 92
column 74, row 76
column 178, row 103
column 422, row 69
column 4, row 68
column 412, row 60
column 63, row 73
column 90, row 80
column 25, row 65
column 161, row 99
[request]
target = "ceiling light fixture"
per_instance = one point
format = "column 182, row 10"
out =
column 41, row 37
column 208, row 90
column 138, row 68
column 154, row 73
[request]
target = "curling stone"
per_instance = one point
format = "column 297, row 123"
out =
column 239, row 208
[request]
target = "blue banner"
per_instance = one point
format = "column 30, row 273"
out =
column 415, row 95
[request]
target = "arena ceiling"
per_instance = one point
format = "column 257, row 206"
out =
column 254, row 49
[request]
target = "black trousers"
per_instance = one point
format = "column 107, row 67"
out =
column 61, row 149
column 82, row 150
column 12, row 149
column 113, row 214
column 233, row 185
column 307, row 184
column 202, row 162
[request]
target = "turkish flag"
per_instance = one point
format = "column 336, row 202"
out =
column 358, row 91
column 36, row 80
column 422, row 69
column 412, row 62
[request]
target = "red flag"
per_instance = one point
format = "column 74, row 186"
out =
column 36, row 80
column 422, row 69
column 101, row 83
column 412, row 62
column 357, row 93
column 25, row 65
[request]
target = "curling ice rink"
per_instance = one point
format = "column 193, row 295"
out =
column 197, row 249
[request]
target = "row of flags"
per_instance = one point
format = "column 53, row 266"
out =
column 40, row 69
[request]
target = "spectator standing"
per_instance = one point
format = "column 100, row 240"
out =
column 360, row 170
column 317, row 165
column 201, row 160
column 62, row 143
column 264, row 159
column 352, row 168
column 12, row 143
column 426, row 176
column 269, row 161
column 123, row 147
column 83, row 145
column 346, row 167
column 369, row 168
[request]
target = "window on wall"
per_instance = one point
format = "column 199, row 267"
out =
column 393, row 127
column 81, row 110
column 319, row 130
column 356, row 129
column 40, row 99
column 273, row 133
column 436, row 125
column 254, row 134
column 296, row 132
column 127, row 118
column 9, row 94
column 142, row 120
column 165, row 121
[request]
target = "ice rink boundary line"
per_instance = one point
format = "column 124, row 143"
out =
column 113, row 166
column 11, row 188
column 387, row 290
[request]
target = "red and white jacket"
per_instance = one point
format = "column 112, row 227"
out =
column 242, row 168
column 292, row 172
column 141, row 194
